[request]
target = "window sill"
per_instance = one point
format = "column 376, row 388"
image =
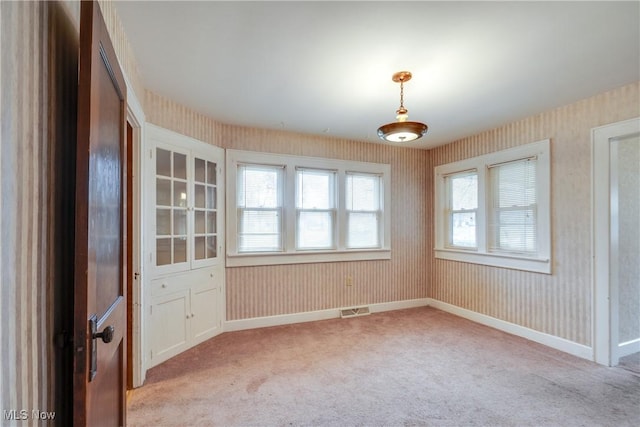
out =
column 255, row 259
column 536, row 265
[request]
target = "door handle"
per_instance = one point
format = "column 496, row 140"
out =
column 106, row 335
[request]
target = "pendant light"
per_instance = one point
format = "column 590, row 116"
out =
column 402, row 130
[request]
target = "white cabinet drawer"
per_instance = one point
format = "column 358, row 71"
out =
column 200, row 279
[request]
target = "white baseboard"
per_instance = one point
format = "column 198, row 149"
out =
column 629, row 347
column 310, row 316
column 552, row 341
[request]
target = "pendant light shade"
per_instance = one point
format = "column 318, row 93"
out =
column 402, row 130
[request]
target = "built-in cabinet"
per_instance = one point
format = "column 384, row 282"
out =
column 184, row 244
column 185, row 310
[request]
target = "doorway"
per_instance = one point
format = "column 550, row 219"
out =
column 616, row 243
column 136, row 369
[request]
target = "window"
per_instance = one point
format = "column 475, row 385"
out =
column 495, row 209
column 290, row 209
column 462, row 209
column 259, row 212
column 315, row 209
column 363, row 210
column 513, row 211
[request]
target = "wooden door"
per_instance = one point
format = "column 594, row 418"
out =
column 100, row 321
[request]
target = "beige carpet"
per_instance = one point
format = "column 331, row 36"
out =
column 409, row 367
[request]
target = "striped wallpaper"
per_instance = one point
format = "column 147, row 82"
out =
column 557, row 304
column 38, row 68
column 121, row 45
column 284, row 289
column 25, row 376
column 171, row 115
column 36, row 63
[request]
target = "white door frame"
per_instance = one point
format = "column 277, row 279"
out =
column 605, row 320
column 136, row 117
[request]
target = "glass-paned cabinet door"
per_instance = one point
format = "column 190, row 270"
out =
column 186, row 184
column 205, row 210
column 171, row 208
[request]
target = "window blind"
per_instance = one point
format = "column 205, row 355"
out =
column 513, row 208
column 363, row 208
column 259, row 201
column 315, row 208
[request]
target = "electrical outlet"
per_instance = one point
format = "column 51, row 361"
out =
column 349, row 281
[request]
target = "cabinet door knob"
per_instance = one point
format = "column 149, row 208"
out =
column 164, row 285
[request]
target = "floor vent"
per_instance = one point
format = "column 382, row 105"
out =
column 353, row 312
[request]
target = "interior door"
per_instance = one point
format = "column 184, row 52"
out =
column 100, row 263
column 616, row 247
column 624, row 257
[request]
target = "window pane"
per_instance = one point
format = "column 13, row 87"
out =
column 163, row 251
column 199, row 247
column 180, row 250
column 464, row 191
column 363, row 192
column 180, row 194
column 315, row 189
column 516, row 183
column 259, row 242
column 513, row 225
column 211, row 173
column 211, row 197
column 515, row 231
column 258, row 186
column 180, row 222
column 259, row 230
column 199, row 192
column 259, row 222
column 211, row 222
column 463, row 229
column 199, row 222
column 212, row 249
column 163, row 222
column 363, row 230
column 163, row 192
column 315, row 230
column 179, row 166
column 200, row 170
column 163, row 162
column 462, row 205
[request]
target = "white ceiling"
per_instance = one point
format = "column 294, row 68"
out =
column 325, row 67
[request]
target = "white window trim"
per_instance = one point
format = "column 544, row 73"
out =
column 291, row 255
column 541, row 263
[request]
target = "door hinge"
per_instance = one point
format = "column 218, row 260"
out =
column 63, row 339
